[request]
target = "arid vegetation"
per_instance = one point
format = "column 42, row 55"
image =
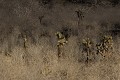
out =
column 59, row 40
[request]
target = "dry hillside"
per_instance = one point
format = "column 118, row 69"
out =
column 36, row 57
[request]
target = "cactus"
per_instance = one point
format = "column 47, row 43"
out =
column 61, row 42
column 99, row 49
column 25, row 41
column 105, row 45
column 40, row 18
column 80, row 16
column 26, row 54
column 87, row 47
column 61, row 39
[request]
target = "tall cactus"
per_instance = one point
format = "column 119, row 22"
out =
column 61, row 41
column 87, row 47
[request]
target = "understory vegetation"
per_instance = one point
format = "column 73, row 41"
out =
column 59, row 40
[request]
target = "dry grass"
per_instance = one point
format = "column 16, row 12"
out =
column 39, row 61
column 45, row 65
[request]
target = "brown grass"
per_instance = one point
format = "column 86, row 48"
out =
column 41, row 61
